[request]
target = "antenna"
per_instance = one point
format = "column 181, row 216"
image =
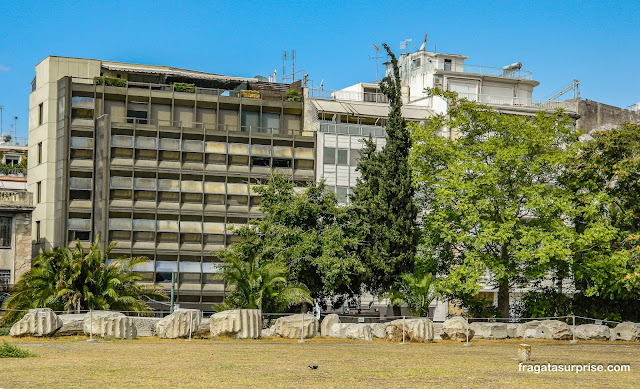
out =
column 404, row 45
column 284, row 62
column 293, row 66
column 376, row 58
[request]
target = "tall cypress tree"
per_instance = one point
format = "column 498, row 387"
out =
column 383, row 200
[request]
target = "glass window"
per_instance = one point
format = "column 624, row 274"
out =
column 354, row 156
column 250, row 120
column 329, row 155
column 5, row 232
column 343, row 156
column 341, row 194
column 39, row 153
column 271, row 121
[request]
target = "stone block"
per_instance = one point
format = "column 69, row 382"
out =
column 627, row 330
column 358, row 331
column 592, row 332
column 179, row 324
column 415, row 330
column 145, row 326
column 237, row 323
column 37, row 322
column 292, row 326
column 327, row 322
column 107, row 324
column 553, row 329
column 489, row 330
column 72, row 324
column 457, row 328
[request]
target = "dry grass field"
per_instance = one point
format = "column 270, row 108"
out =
column 71, row 362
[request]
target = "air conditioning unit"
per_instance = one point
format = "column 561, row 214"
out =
column 438, row 82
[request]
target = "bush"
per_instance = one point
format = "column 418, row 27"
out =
column 110, row 81
column 292, row 95
column 184, row 87
column 10, row 351
column 4, row 331
column 547, row 302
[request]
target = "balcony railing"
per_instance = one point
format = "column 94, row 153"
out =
column 13, row 171
column 246, row 94
column 486, row 71
column 344, row 95
column 517, row 101
column 352, row 129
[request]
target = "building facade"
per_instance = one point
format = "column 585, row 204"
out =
column 160, row 160
column 15, row 235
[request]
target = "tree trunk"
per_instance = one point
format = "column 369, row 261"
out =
column 503, row 298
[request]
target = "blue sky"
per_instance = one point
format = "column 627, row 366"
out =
column 597, row 42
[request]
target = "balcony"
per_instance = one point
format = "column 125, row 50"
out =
column 517, row 101
column 344, row 95
column 485, row 71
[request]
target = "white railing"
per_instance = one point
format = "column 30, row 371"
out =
column 345, row 95
column 517, row 101
column 485, row 70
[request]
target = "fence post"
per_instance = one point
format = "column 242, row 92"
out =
column 573, row 330
column 190, row 324
column 91, row 327
column 403, row 328
column 467, row 344
column 302, row 330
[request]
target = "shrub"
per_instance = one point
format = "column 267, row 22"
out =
column 110, row 81
column 4, row 331
column 10, row 351
column 184, row 87
column 547, row 302
column 292, row 95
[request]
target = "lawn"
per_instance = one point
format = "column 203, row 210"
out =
column 151, row 362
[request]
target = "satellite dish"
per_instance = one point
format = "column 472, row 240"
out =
column 423, row 46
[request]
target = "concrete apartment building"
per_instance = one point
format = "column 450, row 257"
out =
column 159, row 159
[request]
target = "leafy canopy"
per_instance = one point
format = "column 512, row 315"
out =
column 490, row 200
column 305, row 233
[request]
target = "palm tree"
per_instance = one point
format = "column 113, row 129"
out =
column 74, row 280
column 416, row 291
column 256, row 285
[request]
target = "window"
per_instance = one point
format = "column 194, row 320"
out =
column 354, row 156
column 40, row 113
column 5, row 278
column 250, row 121
column 38, row 231
column 38, row 192
column 329, row 155
column 343, row 156
column 342, row 194
column 39, row 153
column 447, row 65
column 33, row 84
column 139, row 116
column 5, row 232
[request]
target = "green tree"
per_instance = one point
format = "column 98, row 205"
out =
column 383, row 205
column 74, row 280
column 307, row 233
column 490, row 197
column 605, row 181
column 256, row 285
column 416, row 291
